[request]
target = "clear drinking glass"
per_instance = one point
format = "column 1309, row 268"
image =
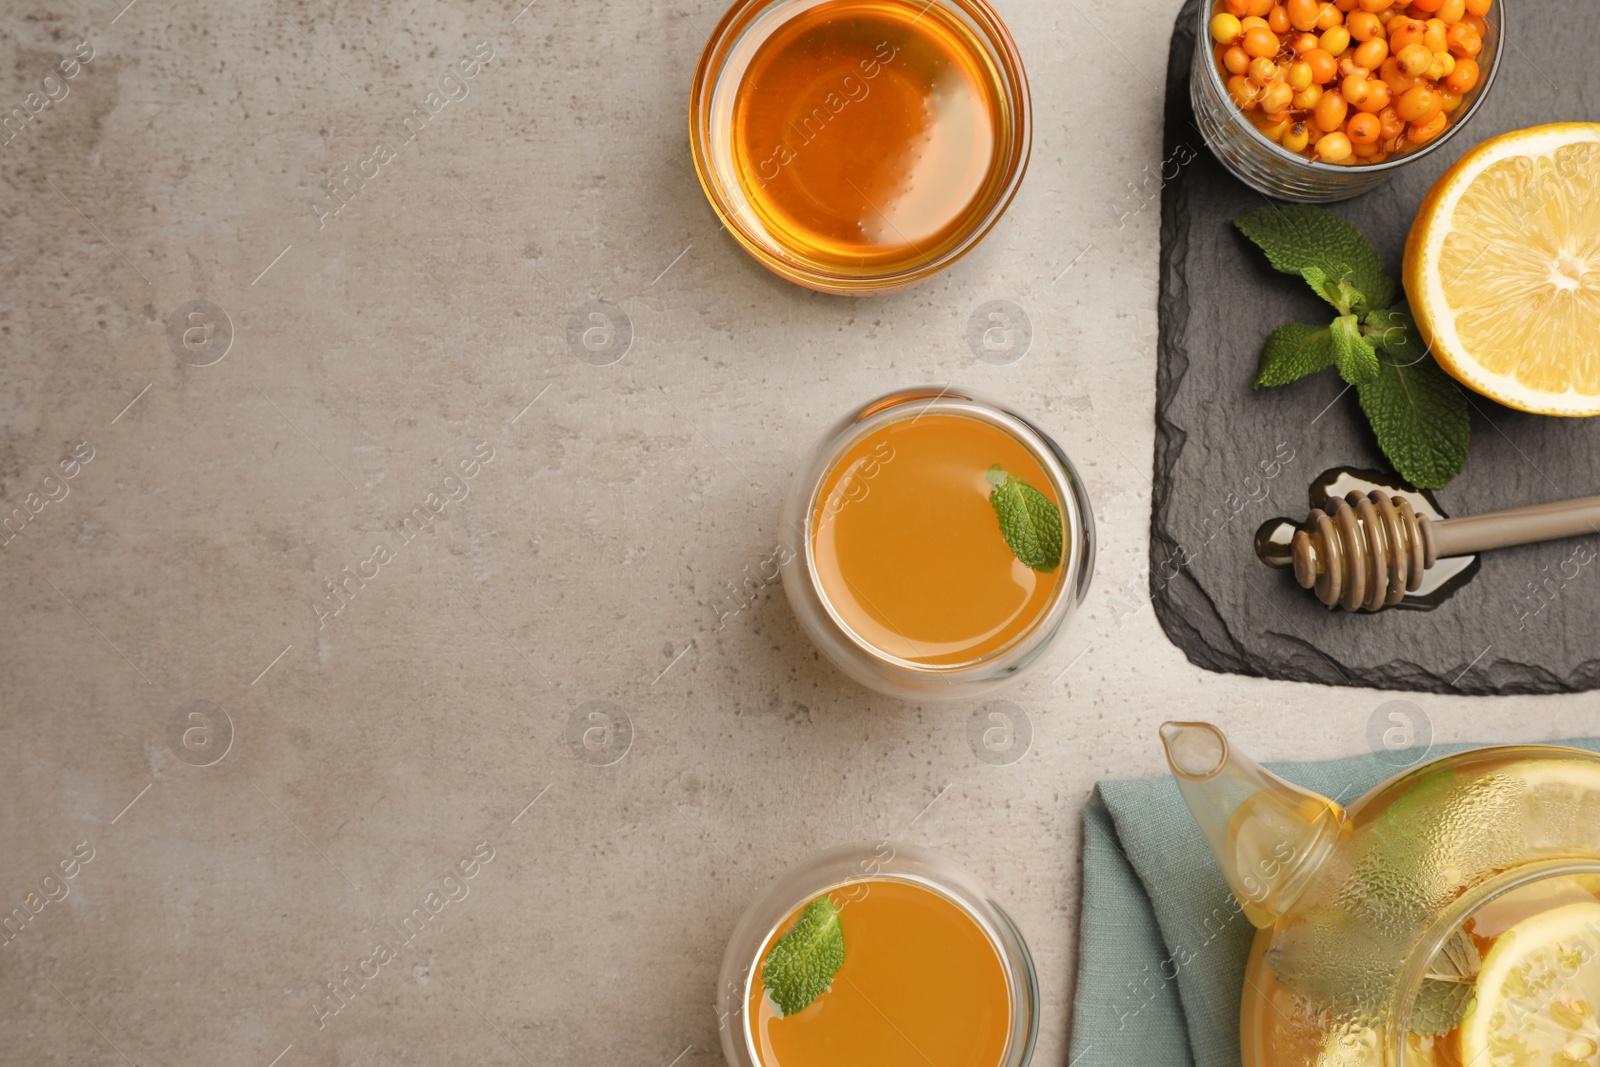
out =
column 728, row 52
column 847, row 865
column 852, row 653
column 1270, row 168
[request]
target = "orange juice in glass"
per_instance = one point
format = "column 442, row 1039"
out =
column 904, row 524
column 933, row 971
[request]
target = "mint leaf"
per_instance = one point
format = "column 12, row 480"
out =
column 1336, row 291
column 1030, row 524
column 1294, row 351
column 1356, row 355
column 801, row 966
column 1448, row 987
column 1419, row 415
column 1395, row 332
column 1298, row 236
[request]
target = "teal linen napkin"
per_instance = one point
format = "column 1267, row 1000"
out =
column 1162, row 944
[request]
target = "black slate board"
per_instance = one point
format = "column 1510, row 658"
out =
column 1529, row 622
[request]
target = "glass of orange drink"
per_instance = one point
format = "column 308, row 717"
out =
column 938, row 541
column 933, row 970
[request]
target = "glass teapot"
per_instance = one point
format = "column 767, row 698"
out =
column 1448, row 918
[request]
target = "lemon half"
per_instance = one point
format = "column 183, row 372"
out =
column 1538, row 993
column 1502, row 268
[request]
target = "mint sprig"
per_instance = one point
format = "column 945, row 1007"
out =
column 801, row 966
column 1029, row 522
column 1417, row 412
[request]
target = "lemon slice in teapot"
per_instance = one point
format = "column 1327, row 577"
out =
column 1538, row 994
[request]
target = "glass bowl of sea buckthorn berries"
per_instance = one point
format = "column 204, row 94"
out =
column 1319, row 100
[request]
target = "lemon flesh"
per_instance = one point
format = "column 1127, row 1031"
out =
column 1538, row 993
column 1503, row 269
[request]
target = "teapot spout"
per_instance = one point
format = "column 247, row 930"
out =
column 1268, row 835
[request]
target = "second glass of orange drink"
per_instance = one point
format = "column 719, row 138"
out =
column 909, row 960
column 940, row 541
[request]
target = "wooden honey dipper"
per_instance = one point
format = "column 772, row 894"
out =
column 1366, row 551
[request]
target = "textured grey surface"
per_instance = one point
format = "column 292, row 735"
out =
column 590, row 560
column 1229, row 457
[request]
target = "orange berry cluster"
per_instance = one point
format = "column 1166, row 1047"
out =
column 1349, row 81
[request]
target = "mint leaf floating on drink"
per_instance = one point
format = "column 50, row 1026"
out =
column 1448, row 987
column 1416, row 411
column 801, row 966
column 1030, row 523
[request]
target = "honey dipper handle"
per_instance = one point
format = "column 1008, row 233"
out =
column 1517, row 526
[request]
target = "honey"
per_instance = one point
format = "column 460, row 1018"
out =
column 853, row 143
column 908, row 548
column 921, row 984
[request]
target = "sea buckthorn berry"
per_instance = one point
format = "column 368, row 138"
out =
column 1302, row 13
column 1278, row 20
column 1479, row 8
column 1444, row 64
column 1237, row 8
column 1303, row 43
column 1419, row 104
column 1299, row 76
column 1275, row 126
column 1463, row 78
column 1334, row 147
column 1263, row 71
column 1307, row 99
column 1449, row 102
column 1376, row 7
column 1378, row 96
column 1329, row 16
column 1452, row 11
column 1277, row 97
column 1393, row 124
column 1398, row 81
column 1464, row 40
column 1426, row 6
column 1364, row 25
column 1422, row 133
column 1324, row 68
column 1436, row 36
column 1354, row 89
column 1250, row 21
column 1260, row 8
column 1364, row 129
column 1225, row 29
column 1348, row 66
column 1260, row 41
column 1476, row 22
column 1372, row 53
column 1296, row 137
column 1335, row 41
column 1243, row 92
column 1330, row 112
column 1366, row 151
column 1414, row 59
column 1404, row 31
column 1236, row 60
column 1346, row 6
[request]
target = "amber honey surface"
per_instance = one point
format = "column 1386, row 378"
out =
column 908, row 549
column 867, row 135
column 921, row 984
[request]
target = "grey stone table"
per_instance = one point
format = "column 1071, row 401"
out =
column 332, row 546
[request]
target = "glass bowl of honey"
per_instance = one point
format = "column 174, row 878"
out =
column 860, row 146
column 933, row 969
column 938, row 544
